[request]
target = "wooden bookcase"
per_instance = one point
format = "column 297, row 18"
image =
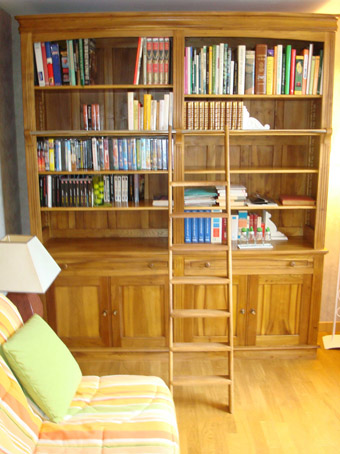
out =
column 113, row 290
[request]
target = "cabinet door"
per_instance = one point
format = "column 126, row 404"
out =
column 139, row 311
column 278, row 309
column 78, row 310
column 212, row 297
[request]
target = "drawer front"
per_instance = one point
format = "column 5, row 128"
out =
column 274, row 265
column 205, row 267
column 117, row 266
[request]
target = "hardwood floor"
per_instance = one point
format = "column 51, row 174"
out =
column 281, row 405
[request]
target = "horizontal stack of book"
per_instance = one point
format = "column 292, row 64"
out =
column 218, row 69
column 90, row 191
column 152, row 115
column 102, row 153
column 202, row 196
column 70, row 62
column 152, row 61
column 238, row 195
column 213, row 115
column 204, row 230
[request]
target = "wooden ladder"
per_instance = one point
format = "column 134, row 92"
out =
column 182, row 249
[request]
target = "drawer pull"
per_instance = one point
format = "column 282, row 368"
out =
column 104, row 314
column 252, row 311
column 207, row 264
column 64, row 266
column 292, row 263
column 242, row 311
column 114, row 313
column 151, row 265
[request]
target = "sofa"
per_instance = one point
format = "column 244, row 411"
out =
column 107, row 415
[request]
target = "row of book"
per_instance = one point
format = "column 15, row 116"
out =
column 219, row 69
column 102, row 153
column 70, row 62
column 90, row 191
column 205, row 230
column 152, row 61
column 152, row 115
column 213, row 115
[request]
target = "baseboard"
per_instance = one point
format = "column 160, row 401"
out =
column 327, row 327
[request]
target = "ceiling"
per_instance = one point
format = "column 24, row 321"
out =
column 23, row 7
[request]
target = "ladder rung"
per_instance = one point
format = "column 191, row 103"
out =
column 200, row 280
column 200, row 214
column 200, row 347
column 202, row 379
column 200, row 313
column 196, row 247
column 197, row 184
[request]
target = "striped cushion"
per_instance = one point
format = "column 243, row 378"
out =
column 10, row 319
column 19, row 426
column 114, row 415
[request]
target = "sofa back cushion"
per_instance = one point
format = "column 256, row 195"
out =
column 19, row 425
column 10, row 319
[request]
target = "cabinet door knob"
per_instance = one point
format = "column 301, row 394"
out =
column 207, row 264
column 151, row 265
column 292, row 263
column 114, row 313
column 252, row 311
column 64, row 266
column 242, row 311
column 104, row 314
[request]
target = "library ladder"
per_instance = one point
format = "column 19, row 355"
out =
column 176, row 249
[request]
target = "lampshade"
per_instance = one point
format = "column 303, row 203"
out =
column 25, row 265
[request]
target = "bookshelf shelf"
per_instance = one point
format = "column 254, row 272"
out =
column 101, row 133
column 105, row 87
column 262, row 97
column 252, row 170
column 257, row 132
column 105, row 172
column 141, row 206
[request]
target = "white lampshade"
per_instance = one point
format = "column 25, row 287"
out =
column 25, row 265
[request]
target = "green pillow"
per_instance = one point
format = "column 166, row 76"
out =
column 44, row 366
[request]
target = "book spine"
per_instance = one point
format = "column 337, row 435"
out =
column 298, row 75
column 279, row 69
column 56, row 63
column 319, row 87
column 81, row 61
column 316, row 75
column 70, row 55
column 305, row 71
column 138, row 61
column 241, row 63
column 201, row 230
column 166, row 60
column 261, row 69
column 187, row 230
column 310, row 59
column 292, row 72
column 44, row 60
column 130, row 103
column 250, row 72
column 288, row 68
column 270, row 71
column 155, row 60
column 161, row 61
column 49, row 63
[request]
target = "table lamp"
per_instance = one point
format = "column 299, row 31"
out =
column 26, row 268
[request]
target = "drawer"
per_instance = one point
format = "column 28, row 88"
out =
column 205, row 267
column 274, row 265
column 117, row 266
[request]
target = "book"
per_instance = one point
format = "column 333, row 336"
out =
column 49, row 63
column 249, row 87
column 81, row 61
column 187, row 230
column 270, row 71
column 292, row 72
column 316, row 75
column 70, row 56
column 39, row 64
column 160, row 200
column 43, row 53
column 310, row 58
column 241, row 66
column 261, row 69
column 138, row 61
column 161, row 61
column 279, row 69
column 304, row 71
column 288, row 66
column 320, row 75
column 296, row 200
column 56, row 63
column 298, row 75
column 130, row 105
column 155, row 60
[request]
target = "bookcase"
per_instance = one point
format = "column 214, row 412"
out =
column 113, row 291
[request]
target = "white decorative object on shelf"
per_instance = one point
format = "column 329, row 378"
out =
column 251, row 122
column 275, row 234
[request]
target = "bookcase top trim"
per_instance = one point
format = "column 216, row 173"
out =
column 179, row 20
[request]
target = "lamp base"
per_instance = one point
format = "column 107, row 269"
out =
column 27, row 304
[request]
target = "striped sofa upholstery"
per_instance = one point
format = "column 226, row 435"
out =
column 108, row 415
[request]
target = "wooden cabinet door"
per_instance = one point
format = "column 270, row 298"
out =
column 212, row 297
column 78, row 309
column 139, row 311
column 278, row 309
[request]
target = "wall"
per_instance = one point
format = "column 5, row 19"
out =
column 9, row 201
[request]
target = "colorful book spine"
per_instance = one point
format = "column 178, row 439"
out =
column 241, row 66
column 56, row 63
column 270, row 71
column 261, row 69
column 292, row 72
column 49, row 63
column 298, row 75
column 39, row 64
column 250, row 72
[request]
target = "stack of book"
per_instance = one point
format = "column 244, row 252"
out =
column 205, row 196
column 219, row 69
column 70, row 62
column 238, row 195
column 152, row 115
column 152, row 61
